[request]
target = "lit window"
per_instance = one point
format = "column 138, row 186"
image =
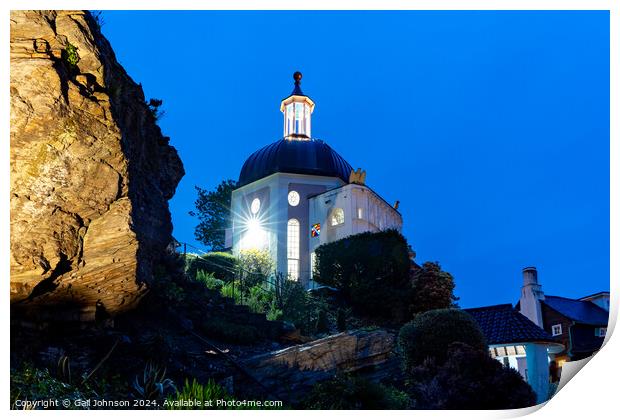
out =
column 360, row 213
column 292, row 248
column 556, row 330
column 312, row 264
column 293, row 269
column 293, row 198
column 300, row 118
column 307, row 119
column 255, row 206
column 337, row 217
column 293, row 239
column 289, row 119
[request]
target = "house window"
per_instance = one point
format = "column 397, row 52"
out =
column 293, row 198
column 292, row 248
column 293, row 269
column 556, row 330
column 360, row 213
column 337, row 217
column 601, row 332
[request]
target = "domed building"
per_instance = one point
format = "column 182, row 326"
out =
column 298, row 193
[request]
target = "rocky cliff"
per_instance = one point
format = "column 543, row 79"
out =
column 91, row 172
column 290, row 373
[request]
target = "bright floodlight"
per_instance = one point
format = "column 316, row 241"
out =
column 254, row 236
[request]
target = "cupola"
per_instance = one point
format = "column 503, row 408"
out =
column 297, row 109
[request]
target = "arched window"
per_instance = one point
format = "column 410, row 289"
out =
column 337, row 217
column 292, row 248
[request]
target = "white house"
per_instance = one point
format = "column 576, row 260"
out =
column 298, row 193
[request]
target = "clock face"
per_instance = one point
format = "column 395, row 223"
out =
column 255, row 206
column 293, row 198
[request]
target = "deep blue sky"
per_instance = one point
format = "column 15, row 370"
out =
column 491, row 128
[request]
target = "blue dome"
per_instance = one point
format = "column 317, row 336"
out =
column 309, row 157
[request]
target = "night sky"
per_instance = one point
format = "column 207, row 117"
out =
column 491, row 128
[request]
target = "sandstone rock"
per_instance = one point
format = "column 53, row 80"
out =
column 290, row 372
column 91, row 173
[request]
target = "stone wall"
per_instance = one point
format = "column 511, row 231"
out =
column 91, row 172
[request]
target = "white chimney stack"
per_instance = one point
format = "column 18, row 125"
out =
column 531, row 295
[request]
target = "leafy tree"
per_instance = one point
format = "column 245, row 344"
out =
column 432, row 288
column 213, row 212
column 469, row 379
column 430, row 334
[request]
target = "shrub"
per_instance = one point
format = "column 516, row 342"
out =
column 70, row 56
column 222, row 265
column 372, row 272
column 298, row 306
column 430, row 334
column 34, row 384
column 274, row 313
column 209, row 281
column 322, row 323
column 196, row 391
column 255, row 267
column 468, row 380
column 259, row 299
column 345, row 392
column 231, row 290
column 153, row 384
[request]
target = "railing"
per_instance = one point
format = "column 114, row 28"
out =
column 273, row 281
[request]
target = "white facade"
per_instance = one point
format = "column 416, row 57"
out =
column 285, row 230
column 349, row 210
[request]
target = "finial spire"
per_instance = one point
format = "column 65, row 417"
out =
column 297, row 77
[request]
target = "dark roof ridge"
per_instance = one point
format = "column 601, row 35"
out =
column 499, row 305
column 567, row 298
column 594, row 294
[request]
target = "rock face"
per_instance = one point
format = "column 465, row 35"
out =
column 91, row 172
column 291, row 372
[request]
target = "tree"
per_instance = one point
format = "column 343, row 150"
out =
column 430, row 334
column 213, row 212
column 432, row 288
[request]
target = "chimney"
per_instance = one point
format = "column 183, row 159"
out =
column 531, row 295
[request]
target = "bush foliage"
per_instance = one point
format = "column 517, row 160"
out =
column 195, row 391
column 469, row 379
column 371, row 270
column 222, row 265
column 346, row 392
column 430, row 334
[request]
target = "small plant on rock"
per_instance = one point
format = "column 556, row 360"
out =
column 153, row 385
column 70, row 55
column 195, row 391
